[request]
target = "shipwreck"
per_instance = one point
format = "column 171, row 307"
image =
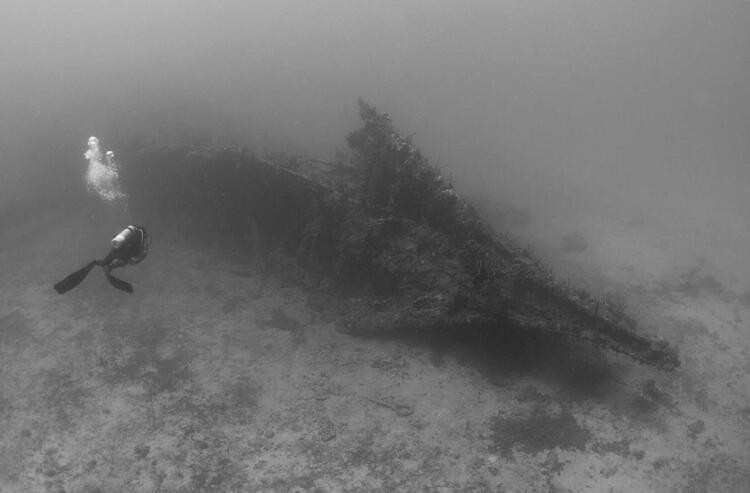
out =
column 385, row 228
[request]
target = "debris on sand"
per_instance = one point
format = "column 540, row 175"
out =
column 401, row 410
column 386, row 232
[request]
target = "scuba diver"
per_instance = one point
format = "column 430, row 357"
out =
column 129, row 247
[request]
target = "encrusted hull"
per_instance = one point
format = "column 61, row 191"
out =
column 386, row 229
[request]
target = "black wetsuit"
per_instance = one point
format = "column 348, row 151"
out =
column 132, row 251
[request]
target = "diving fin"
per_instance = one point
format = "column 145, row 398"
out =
column 73, row 279
column 119, row 283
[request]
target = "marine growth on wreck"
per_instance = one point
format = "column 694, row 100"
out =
column 385, row 226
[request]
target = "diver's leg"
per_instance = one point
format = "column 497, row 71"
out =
column 115, row 282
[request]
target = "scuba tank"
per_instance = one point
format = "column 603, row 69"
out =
column 123, row 236
column 135, row 239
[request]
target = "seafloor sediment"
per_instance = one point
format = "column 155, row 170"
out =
column 198, row 382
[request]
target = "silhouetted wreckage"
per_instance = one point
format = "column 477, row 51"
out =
column 386, row 231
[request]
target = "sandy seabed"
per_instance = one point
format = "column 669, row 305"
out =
column 199, row 382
